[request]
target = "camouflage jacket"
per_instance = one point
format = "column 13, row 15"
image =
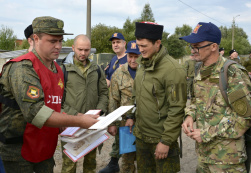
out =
column 15, row 82
column 160, row 90
column 247, row 64
column 121, row 89
column 221, row 127
column 189, row 67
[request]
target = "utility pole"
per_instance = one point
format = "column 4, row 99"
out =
column 233, row 26
column 88, row 19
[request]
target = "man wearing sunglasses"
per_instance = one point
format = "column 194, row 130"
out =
column 220, row 143
column 118, row 46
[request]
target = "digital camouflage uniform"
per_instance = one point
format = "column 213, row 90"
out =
column 160, row 93
column 221, row 127
column 83, row 92
column 15, row 81
column 189, row 67
column 247, row 64
column 120, row 95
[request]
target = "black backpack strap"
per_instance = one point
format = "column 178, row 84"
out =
column 223, row 81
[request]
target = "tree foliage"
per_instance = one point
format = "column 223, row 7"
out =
column 24, row 45
column 175, row 47
column 68, row 42
column 100, row 37
column 241, row 43
column 7, row 38
column 147, row 14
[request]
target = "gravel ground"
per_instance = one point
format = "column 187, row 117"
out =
column 188, row 161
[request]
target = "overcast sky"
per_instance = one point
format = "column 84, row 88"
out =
column 18, row 14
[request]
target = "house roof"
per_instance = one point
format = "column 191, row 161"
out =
column 16, row 53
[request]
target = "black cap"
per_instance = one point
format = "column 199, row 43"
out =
column 232, row 51
column 149, row 30
column 28, row 31
column 221, row 49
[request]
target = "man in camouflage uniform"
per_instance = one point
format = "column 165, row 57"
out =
column 189, row 67
column 160, row 94
column 220, row 143
column 84, row 90
column 120, row 95
column 247, row 64
column 32, row 89
column 233, row 55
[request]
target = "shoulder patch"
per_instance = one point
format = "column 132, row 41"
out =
column 33, row 92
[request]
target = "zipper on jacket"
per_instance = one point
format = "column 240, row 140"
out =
column 155, row 96
column 143, row 78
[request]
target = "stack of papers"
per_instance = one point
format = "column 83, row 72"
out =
column 82, row 141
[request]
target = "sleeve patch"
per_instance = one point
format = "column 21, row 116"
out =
column 33, row 92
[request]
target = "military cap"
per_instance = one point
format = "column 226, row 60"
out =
column 48, row 25
column 221, row 49
column 28, row 31
column 232, row 51
column 149, row 30
column 117, row 35
column 204, row 32
column 132, row 47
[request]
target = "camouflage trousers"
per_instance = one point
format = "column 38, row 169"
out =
column 190, row 90
column 24, row 166
column 127, row 159
column 89, row 165
column 216, row 168
column 146, row 162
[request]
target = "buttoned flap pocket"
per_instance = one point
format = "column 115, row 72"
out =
column 240, row 103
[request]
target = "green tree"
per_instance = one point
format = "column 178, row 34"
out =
column 24, row 45
column 147, row 14
column 68, row 42
column 183, row 31
column 7, row 38
column 241, row 43
column 175, row 47
column 100, row 37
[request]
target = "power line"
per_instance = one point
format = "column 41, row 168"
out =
column 202, row 13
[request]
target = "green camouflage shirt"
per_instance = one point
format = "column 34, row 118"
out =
column 15, row 82
column 189, row 67
column 221, row 127
column 121, row 89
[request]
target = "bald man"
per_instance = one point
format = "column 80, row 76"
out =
column 85, row 89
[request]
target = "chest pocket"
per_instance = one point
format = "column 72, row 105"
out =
column 125, row 86
column 215, row 106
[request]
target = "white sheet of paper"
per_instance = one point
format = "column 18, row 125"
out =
column 88, row 149
column 81, row 137
column 111, row 117
column 74, row 131
column 70, row 131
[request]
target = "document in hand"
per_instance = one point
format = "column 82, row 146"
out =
column 126, row 140
column 107, row 120
column 88, row 149
column 77, row 147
